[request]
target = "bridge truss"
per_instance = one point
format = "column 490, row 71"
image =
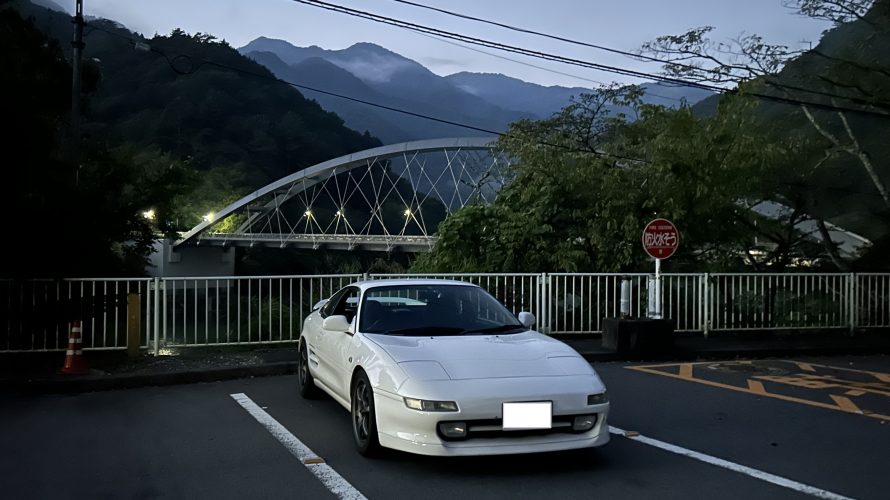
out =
column 389, row 198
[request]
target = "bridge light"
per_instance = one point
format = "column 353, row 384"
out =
column 339, row 213
column 149, row 214
column 208, row 217
column 407, row 212
column 308, row 213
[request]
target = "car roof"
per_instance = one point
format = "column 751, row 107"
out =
column 367, row 285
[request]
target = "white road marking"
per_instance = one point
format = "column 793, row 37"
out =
column 324, row 472
column 719, row 462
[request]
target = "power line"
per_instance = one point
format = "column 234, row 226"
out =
column 633, row 55
column 500, row 46
column 268, row 76
column 550, row 70
column 587, row 64
column 191, row 68
column 532, row 32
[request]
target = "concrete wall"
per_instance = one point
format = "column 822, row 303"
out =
column 190, row 261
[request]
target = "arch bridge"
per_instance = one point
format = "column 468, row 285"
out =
column 389, row 198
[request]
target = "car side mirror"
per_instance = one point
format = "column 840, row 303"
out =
column 318, row 305
column 527, row 319
column 336, row 323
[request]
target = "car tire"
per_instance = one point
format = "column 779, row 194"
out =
column 364, row 416
column 306, row 382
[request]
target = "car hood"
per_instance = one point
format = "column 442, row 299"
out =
column 527, row 354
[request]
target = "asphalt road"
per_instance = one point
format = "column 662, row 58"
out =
column 195, row 441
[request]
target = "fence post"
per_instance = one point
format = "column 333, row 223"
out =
column 544, row 301
column 156, row 324
column 134, row 325
column 706, row 303
column 852, row 291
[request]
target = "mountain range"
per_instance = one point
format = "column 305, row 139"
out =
column 370, row 73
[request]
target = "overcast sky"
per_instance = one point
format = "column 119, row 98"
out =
column 622, row 24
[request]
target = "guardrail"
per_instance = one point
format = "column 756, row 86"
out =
column 240, row 310
column 35, row 315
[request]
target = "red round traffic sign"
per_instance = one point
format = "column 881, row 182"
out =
column 661, row 238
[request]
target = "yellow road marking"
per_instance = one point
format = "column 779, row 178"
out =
column 805, row 366
column 649, row 369
column 686, row 370
column 845, row 404
column 757, row 387
column 883, row 377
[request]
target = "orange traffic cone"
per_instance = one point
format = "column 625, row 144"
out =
column 74, row 362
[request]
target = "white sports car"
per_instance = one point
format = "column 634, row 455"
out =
column 441, row 367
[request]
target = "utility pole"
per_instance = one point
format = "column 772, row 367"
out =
column 77, row 67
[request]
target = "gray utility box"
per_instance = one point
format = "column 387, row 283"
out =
column 638, row 336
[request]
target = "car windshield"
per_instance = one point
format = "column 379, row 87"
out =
column 434, row 310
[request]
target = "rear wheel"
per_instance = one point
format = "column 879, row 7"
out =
column 306, row 382
column 364, row 417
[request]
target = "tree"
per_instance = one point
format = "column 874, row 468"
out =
column 587, row 181
column 842, row 91
column 62, row 220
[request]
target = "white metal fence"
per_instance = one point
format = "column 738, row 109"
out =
column 36, row 315
column 240, row 310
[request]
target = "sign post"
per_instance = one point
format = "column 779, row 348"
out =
column 660, row 240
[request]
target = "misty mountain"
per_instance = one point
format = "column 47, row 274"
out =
column 543, row 101
column 372, row 73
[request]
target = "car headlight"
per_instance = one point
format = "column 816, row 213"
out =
column 597, row 399
column 424, row 405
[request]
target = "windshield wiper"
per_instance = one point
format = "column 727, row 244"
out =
column 499, row 329
column 427, row 330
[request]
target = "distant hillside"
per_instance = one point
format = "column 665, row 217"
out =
column 856, row 55
column 388, row 79
column 512, row 93
column 489, row 101
column 212, row 116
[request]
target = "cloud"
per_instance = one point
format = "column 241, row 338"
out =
column 441, row 61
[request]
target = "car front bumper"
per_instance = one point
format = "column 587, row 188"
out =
column 414, row 431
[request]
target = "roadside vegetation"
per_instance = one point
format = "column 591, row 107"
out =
column 755, row 179
column 759, row 178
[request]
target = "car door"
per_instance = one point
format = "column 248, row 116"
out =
column 334, row 347
column 319, row 338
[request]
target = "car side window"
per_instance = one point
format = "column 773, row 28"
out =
column 347, row 304
column 328, row 308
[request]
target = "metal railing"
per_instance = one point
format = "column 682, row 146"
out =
column 870, row 293
column 780, row 301
column 36, row 315
column 240, row 310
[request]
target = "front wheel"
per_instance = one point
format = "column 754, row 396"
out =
column 308, row 388
column 364, row 418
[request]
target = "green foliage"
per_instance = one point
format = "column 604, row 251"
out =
column 586, row 183
column 67, row 219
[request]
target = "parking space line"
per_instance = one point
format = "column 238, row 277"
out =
column 333, row 481
column 719, row 462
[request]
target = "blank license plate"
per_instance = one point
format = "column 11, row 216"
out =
column 518, row 416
